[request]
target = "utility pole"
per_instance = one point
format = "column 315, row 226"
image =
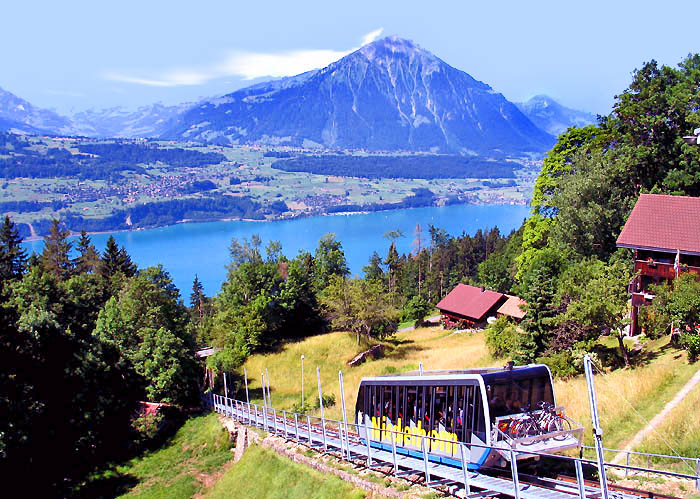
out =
column 597, row 430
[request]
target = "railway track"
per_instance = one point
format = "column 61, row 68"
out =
column 331, row 437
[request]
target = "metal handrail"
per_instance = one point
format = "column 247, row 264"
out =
column 270, row 420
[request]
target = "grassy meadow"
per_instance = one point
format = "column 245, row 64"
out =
column 263, row 473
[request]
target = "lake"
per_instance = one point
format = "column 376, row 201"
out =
column 202, row 248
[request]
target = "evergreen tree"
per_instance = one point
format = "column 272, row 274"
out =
column 116, row 260
column 55, row 257
column 197, row 296
column 13, row 259
column 88, row 258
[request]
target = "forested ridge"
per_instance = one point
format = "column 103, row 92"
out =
column 421, row 166
column 86, row 334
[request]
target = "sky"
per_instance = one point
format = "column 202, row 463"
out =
column 74, row 55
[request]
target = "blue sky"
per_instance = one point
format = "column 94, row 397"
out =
column 73, row 55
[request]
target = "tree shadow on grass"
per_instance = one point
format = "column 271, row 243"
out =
column 113, row 485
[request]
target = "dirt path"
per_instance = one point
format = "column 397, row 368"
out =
column 644, row 432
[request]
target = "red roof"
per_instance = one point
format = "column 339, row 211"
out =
column 469, row 301
column 663, row 223
column 511, row 307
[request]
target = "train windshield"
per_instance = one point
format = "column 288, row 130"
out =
column 513, row 394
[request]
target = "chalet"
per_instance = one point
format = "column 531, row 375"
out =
column 467, row 306
column 513, row 307
column 664, row 232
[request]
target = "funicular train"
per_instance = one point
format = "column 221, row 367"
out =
column 475, row 406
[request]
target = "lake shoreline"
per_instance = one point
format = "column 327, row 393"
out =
column 297, row 216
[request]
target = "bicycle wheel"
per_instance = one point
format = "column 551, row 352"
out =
column 558, row 424
column 528, row 429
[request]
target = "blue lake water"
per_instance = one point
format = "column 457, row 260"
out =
column 202, row 248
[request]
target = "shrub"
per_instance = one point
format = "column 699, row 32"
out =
column 505, row 339
column 691, row 342
column 415, row 309
column 562, row 364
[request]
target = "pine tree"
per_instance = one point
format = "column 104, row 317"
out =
column 116, row 260
column 197, row 296
column 55, row 257
column 88, row 258
column 13, row 258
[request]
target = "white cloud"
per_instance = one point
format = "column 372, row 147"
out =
column 371, row 36
column 246, row 65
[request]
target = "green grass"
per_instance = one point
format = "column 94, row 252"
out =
column 261, row 473
column 200, row 448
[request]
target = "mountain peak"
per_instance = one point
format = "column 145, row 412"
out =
column 393, row 47
column 390, row 94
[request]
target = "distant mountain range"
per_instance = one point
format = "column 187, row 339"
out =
column 388, row 95
column 552, row 117
column 146, row 121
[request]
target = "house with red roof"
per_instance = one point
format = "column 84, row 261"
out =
column 468, row 306
column 664, row 232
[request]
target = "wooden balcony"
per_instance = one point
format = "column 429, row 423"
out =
column 662, row 270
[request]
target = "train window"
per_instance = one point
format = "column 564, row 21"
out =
column 411, row 405
column 479, row 422
column 388, row 403
column 439, row 407
column 360, row 406
column 428, row 414
column 514, row 395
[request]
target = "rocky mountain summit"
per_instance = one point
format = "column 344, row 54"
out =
column 387, row 95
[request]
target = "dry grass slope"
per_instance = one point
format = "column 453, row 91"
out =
column 628, row 399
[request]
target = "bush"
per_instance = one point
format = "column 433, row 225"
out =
column 415, row 309
column 691, row 342
column 562, row 364
column 147, row 428
column 505, row 339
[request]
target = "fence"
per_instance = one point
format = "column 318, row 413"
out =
column 356, row 442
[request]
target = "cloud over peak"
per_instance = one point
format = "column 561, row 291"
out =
column 244, row 64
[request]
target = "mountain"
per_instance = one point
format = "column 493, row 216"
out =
column 19, row 115
column 552, row 117
column 387, row 95
column 146, row 121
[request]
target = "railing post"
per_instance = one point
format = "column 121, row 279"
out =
column 393, row 452
column 274, row 420
column 340, row 434
column 296, row 426
column 425, row 461
column 308, row 427
column 264, row 412
column 284, row 423
column 514, row 472
column 627, row 463
column 465, row 472
column 697, row 473
column 345, row 417
column 320, row 404
column 580, row 479
column 369, row 447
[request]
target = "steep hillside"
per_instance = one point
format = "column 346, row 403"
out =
column 388, row 95
column 627, row 398
column 19, row 115
column 552, row 117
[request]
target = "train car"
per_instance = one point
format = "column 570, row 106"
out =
column 476, row 407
